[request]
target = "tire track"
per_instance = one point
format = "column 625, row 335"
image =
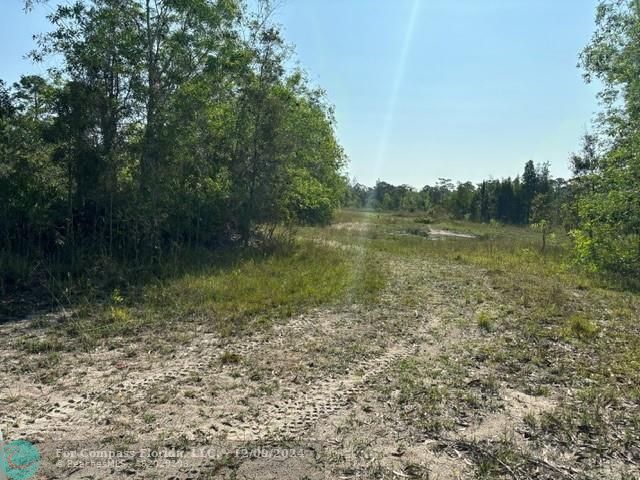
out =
column 294, row 416
column 117, row 388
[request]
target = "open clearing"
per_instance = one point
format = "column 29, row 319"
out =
column 471, row 357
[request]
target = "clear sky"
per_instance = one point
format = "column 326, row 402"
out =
column 462, row 89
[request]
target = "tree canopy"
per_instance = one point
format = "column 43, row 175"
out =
column 164, row 123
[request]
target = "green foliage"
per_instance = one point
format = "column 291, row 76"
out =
column 581, row 327
column 607, row 183
column 167, row 124
column 609, row 234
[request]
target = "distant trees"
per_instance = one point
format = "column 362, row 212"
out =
column 507, row 200
column 166, row 123
column 606, row 185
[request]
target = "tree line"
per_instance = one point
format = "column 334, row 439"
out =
column 172, row 123
column 525, row 199
column 600, row 205
column 164, row 123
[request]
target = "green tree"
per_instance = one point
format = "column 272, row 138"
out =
column 529, row 186
column 608, row 204
column 463, row 200
column 165, row 123
column 541, row 216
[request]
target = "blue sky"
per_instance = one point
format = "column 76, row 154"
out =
column 462, row 89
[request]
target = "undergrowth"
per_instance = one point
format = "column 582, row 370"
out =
column 223, row 292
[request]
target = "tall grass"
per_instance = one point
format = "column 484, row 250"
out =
column 225, row 292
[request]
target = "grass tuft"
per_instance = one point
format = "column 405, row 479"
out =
column 579, row 326
column 228, row 358
column 46, row 344
column 485, row 322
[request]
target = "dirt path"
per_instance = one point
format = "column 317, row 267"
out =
column 388, row 391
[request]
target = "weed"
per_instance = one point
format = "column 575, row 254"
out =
column 148, row 417
column 228, row 358
column 485, row 322
column 45, row 344
column 579, row 326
